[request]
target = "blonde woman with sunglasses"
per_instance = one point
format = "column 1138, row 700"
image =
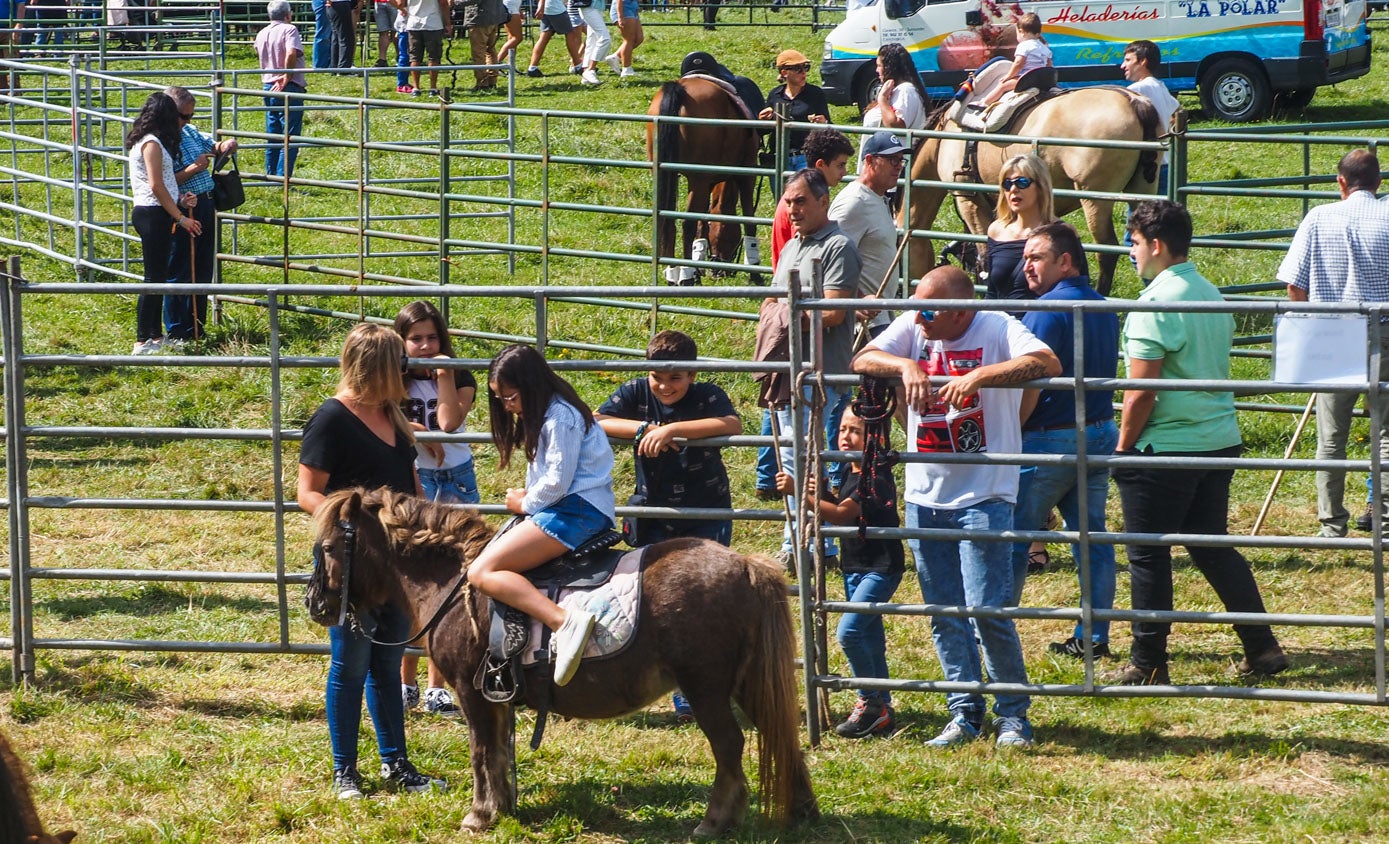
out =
column 1024, row 203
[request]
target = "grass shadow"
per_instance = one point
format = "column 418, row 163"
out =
column 152, row 599
column 1146, row 744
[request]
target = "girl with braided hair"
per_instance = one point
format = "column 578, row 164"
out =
column 360, row 437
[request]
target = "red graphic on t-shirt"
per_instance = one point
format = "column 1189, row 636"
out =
column 946, row 429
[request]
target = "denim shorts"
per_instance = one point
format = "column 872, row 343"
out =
column 572, row 521
column 385, row 17
column 454, row 485
column 629, row 9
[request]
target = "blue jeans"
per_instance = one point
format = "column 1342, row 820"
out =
column 184, row 315
column 1040, row 488
column 975, row 573
column 322, row 35
column 862, row 635
column 276, row 163
column 835, row 402
column 357, row 664
column 402, row 59
column 766, row 460
column 455, row 485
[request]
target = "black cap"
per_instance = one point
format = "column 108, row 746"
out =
column 701, row 62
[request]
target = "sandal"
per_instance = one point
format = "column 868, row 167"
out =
column 1037, row 561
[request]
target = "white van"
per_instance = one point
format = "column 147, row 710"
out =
column 1239, row 54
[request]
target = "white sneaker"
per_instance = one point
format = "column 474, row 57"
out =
column 438, row 701
column 173, row 344
column 627, row 73
column 615, row 63
column 569, row 642
column 590, row 77
column 147, row 347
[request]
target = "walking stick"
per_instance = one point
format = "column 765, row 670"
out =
column 1278, row 478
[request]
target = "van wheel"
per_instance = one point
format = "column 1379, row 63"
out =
column 1236, row 90
column 866, row 85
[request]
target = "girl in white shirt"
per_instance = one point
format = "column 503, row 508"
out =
column 1032, row 53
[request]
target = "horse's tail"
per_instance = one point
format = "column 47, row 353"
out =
column 768, row 696
column 1147, row 116
column 673, row 99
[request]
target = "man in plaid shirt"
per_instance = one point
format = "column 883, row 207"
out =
column 1340, row 253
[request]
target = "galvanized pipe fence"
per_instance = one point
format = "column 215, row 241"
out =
column 293, row 269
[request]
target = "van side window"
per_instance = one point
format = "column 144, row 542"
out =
column 895, row 9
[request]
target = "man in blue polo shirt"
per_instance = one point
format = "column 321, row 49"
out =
column 1055, row 268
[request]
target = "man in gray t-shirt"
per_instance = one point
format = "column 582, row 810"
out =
column 862, row 213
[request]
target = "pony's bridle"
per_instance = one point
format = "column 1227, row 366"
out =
column 348, row 550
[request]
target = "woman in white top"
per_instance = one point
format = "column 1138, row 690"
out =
column 901, row 103
column 158, row 208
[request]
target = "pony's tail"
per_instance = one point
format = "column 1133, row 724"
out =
column 673, row 99
column 768, row 696
column 1147, row 116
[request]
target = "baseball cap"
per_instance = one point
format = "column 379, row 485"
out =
column 791, row 58
column 700, row 62
column 884, row 143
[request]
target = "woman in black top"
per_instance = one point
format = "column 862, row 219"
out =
column 797, row 101
column 359, row 437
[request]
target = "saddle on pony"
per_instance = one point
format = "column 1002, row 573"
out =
column 593, row 577
column 1035, row 87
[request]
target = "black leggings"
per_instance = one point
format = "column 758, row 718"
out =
column 156, row 229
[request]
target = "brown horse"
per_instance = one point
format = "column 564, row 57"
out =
column 19, row 821
column 713, row 622
column 708, row 144
column 1102, row 113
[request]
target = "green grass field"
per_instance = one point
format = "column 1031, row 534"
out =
column 164, row 747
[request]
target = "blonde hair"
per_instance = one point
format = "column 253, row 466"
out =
column 371, row 371
column 1035, row 169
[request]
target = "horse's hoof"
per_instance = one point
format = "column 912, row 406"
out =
column 705, row 831
column 477, row 823
column 757, row 279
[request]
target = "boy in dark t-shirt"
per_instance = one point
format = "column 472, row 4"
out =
column 657, row 410
column 872, row 571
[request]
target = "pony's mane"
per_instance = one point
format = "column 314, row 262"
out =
column 410, row 522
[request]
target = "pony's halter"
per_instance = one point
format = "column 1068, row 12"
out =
column 349, row 549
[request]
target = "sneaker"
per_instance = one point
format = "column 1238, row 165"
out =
column 1266, row 664
column 410, row 696
column 173, row 344
column 683, row 713
column 347, row 783
column 627, row 73
column 787, row 561
column 576, row 69
column 434, row 92
column 438, row 701
column 404, row 89
column 590, row 77
column 534, row 72
column 147, row 347
column 1076, row 648
column 400, row 775
column 869, row 718
column 615, row 63
column 1366, row 522
column 568, row 644
column 380, row 63
column 1013, row 732
column 416, row 92
column 1132, row 675
column 1332, row 531
column 959, row 731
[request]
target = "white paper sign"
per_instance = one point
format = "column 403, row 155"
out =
column 1320, row 349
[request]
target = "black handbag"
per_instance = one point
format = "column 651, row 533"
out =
column 635, row 531
column 227, row 192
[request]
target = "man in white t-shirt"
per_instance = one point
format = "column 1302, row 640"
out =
column 862, row 213
column 982, row 353
column 1141, row 61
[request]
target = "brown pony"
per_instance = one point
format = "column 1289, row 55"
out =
column 714, row 145
column 713, row 622
column 1101, row 113
column 19, row 821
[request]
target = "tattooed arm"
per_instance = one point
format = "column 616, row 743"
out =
column 1039, row 364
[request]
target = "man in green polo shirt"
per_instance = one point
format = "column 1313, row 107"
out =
column 1180, row 423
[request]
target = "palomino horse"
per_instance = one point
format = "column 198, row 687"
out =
column 1105, row 113
column 19, row 821
column 709, row 144
column 713, row 622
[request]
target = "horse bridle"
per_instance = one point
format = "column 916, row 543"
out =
column 349, row 550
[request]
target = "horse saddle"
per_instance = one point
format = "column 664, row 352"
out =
column 593, row 577
column 1035, row 87
column 729, row 89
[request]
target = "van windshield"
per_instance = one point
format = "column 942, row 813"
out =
column 895, row 9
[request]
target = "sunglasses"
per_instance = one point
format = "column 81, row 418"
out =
column 926, row 316
column 803, row 68
column 186, row 118
column 1021, row 183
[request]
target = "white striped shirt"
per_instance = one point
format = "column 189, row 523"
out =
column 1340, row 253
